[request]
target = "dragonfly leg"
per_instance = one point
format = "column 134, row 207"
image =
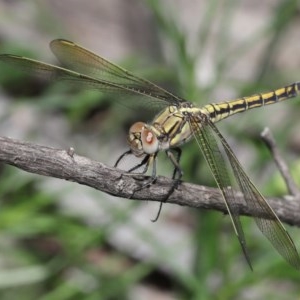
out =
column 175, row 160
column 177, row 174
column 149, row 159
column 174, row 155
column 121, row 157
column 145, row 163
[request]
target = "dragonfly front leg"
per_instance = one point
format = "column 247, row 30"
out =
column 145, row 163
column 121, row 158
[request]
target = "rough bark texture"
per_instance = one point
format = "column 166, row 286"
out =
column 67, row 165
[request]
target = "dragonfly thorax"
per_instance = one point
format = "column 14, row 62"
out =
column 142, row 140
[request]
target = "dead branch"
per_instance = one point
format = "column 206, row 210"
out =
column 282, row 166
column 65, row 164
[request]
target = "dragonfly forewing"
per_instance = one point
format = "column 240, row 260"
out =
column 86, row 62
column 90, row 71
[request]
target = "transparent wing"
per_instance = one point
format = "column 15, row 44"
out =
column 88, row 70
column 210, row 149
column 207, row 137
column 84, row 61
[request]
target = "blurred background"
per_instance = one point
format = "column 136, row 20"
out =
column 60, row 240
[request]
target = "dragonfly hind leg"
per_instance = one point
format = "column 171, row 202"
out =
column 177, row 174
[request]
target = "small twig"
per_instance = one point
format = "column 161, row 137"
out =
column 280, row 162
column 67, row 165
column 71, row 151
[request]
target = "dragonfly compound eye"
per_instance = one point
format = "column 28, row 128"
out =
column 149, row 141
column 134, row 138
column 142, row 140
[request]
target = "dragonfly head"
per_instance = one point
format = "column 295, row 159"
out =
column 142, row 140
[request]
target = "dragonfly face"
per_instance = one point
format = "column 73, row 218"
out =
column 177, row 122
column 142, row 140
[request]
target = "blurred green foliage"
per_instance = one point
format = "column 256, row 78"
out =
column 47, row 254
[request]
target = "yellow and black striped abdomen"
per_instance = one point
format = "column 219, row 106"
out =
column 220, row 111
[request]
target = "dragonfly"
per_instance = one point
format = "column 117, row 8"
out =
column 176, row 122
